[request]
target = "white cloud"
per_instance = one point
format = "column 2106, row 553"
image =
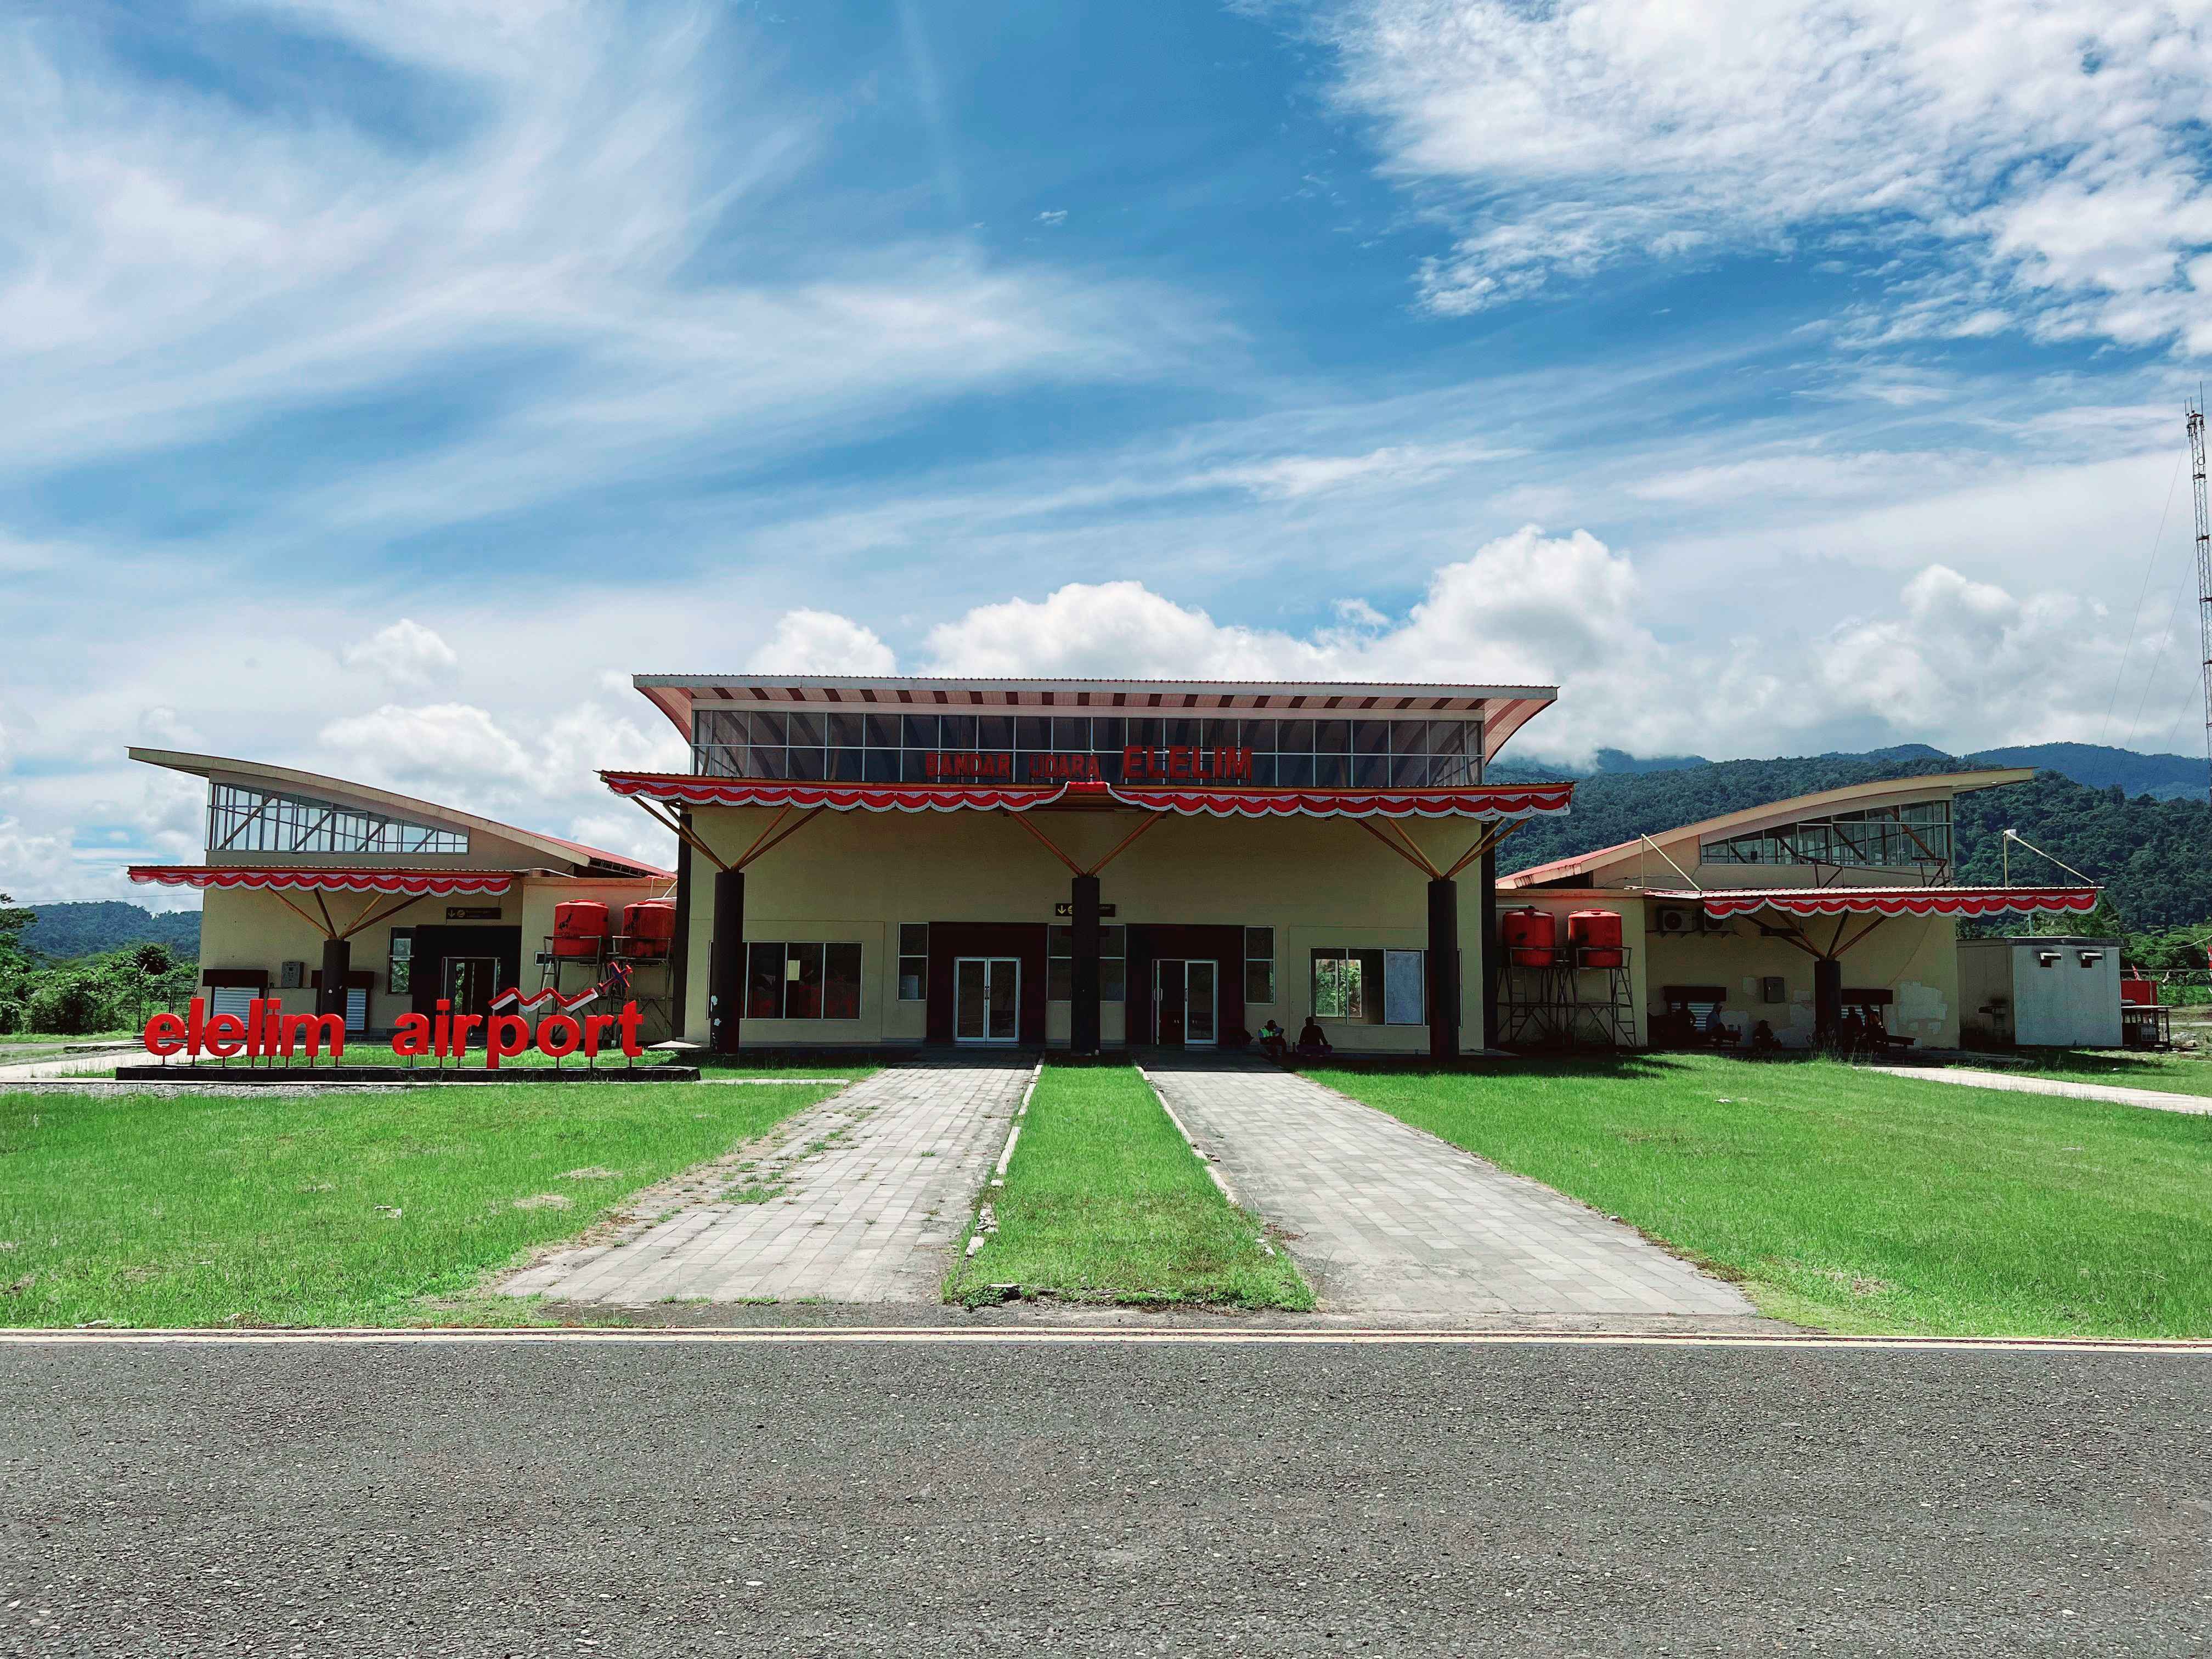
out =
column 1287, row 477
column 2035, row 162
column 35, row 869
column 1053, row 217
column 820, row 642
column 406, row 655
column 1956, row 662
column 175, row 267
column 447, row 741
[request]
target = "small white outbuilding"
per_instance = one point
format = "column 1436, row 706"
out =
column 2036, row 993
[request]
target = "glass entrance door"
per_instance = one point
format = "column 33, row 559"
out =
column 987, row 999
column 1183, row 1003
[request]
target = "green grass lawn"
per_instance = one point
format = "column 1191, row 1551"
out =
column 331, row 1209
column 1105, row 1203
column 1857, row 1202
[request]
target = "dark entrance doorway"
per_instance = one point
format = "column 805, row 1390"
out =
column 1185, row 1007
column 1017, row 949
column 482, row 961
column 1171, row 971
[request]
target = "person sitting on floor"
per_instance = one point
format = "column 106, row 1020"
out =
column 1312, row 1044
column 1273, row 1040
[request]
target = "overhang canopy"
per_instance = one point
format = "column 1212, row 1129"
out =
column 1722, row 902
column 421, row 884
column 1503, row 709
column 1489, row 801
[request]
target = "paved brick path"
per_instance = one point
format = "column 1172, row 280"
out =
column 2120, row 1094
column 1384, row 1218
column 876, row 1182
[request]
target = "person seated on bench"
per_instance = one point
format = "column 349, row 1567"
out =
column 1763, row 1040
column 1273, row 1040
column 1312, row 1044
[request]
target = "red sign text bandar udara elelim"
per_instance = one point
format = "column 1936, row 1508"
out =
column 266, row 1031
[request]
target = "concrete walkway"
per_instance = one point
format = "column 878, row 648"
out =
column 1386, row 1220
column 2156, row 1100
column 51, row 1067
column 857, row 1199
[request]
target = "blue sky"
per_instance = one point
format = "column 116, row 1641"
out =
column 387, row 381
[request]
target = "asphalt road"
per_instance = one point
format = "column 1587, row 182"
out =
column 937, row 1499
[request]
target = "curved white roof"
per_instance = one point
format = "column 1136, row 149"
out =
column 565, row 857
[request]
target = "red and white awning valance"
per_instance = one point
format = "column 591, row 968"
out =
column 837, row 797
column 1890, row 901
column 421, row 883
column 1495, row 801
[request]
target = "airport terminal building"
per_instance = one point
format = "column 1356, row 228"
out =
column 889, row 862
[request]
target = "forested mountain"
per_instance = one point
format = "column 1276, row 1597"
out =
column 2164, row 777
column 2152, row 857
column 60, row 930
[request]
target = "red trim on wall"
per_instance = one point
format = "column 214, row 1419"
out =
column 421, row 883
column 1890, row 901
column 1487, row 800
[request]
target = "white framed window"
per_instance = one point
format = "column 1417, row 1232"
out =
column 1369, row 986
column 913, row 962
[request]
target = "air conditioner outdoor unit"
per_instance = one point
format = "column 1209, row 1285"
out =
column 1671, row 919
column 1706, row 924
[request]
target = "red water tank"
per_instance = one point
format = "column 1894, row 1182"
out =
column 1531, row 937
column 580, row 928
column 648, row 926
column 2139, row 992
column 1594, row 937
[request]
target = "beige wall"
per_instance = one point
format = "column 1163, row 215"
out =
column 243, row 928
column 856, row 876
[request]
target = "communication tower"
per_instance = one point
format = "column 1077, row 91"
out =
column 2203, row 574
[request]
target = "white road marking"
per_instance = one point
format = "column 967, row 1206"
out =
column 1092, row 1335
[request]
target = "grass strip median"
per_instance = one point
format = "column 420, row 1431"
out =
column 1105, row 1201
column 346, row 1208
column 1854, row 1201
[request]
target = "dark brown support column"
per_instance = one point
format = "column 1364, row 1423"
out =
column 338, row 963
column 1828, row 999
column 726, row 963
column 679, row 942
column 1083, row 989
column 1443, row 971
column 1492, row 956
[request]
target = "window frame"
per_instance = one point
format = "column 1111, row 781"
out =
column 907, row 931
column 1058, row 962
column 1369, row 993
column 1266, row 961
column 786, row 955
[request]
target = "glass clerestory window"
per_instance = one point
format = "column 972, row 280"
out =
column 256, row 821
column 1912, row 838
column 1060, row 964
column 1264, row 753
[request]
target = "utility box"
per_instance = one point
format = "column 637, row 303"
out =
column 2040, row 992
column 291, row 976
